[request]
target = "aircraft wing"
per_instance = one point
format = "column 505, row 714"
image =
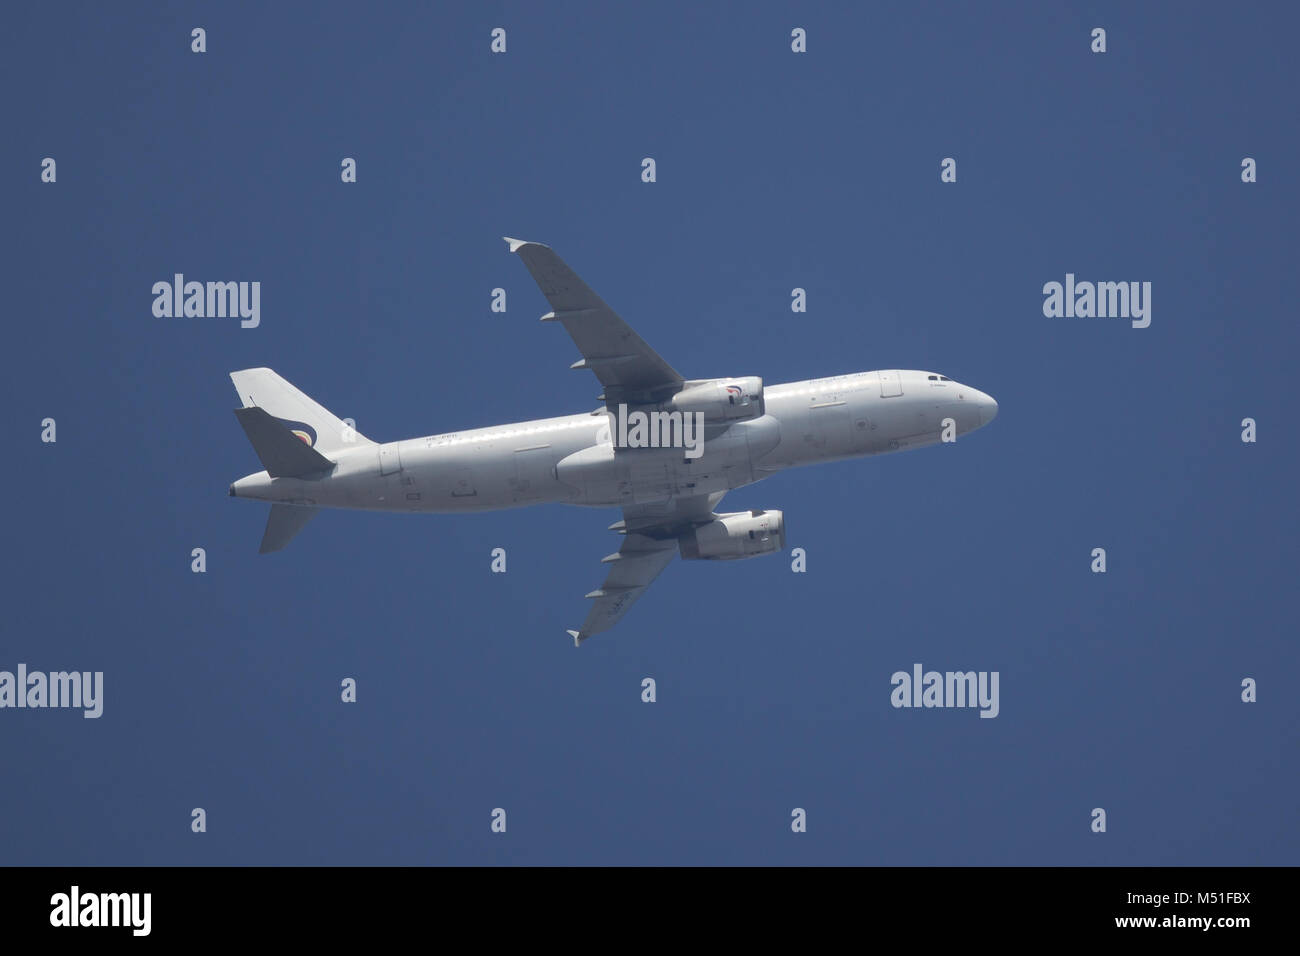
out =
column 630, row 370
column 649, row 547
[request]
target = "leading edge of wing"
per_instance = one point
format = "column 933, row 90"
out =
column 635, row 565
column 630, row 370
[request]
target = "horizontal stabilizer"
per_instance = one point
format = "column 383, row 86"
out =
column 284, row 522
column 282, row 453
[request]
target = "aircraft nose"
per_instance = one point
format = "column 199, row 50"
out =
column 988, row 409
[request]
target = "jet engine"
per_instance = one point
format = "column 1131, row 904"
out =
column 721, row 399
column 744, row 534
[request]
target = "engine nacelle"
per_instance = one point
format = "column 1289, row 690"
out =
column 744, row 534
column 721, row 400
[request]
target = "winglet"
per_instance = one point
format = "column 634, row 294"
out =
column 514, row 244
column 577, row 637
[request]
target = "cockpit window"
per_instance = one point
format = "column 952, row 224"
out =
column 933, row 378
column 944, row 378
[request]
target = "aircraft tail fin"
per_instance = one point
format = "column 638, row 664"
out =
column 283, row 453
column 314, row 425
column 282, row 524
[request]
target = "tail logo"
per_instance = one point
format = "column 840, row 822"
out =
column 302, row 430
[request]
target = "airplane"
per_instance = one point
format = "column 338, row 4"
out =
column 714, row 435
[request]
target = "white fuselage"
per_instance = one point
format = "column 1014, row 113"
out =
column 571, row 459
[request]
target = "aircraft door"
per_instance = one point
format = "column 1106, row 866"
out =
column 533, row 471
column 390, row 458
column 829, row 428
column 463, row 484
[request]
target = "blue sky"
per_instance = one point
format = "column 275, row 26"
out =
column 775, row 171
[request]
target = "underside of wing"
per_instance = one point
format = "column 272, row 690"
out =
column 671, row 517
column 631, row 371
column 649, row 546
column 634, row 567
